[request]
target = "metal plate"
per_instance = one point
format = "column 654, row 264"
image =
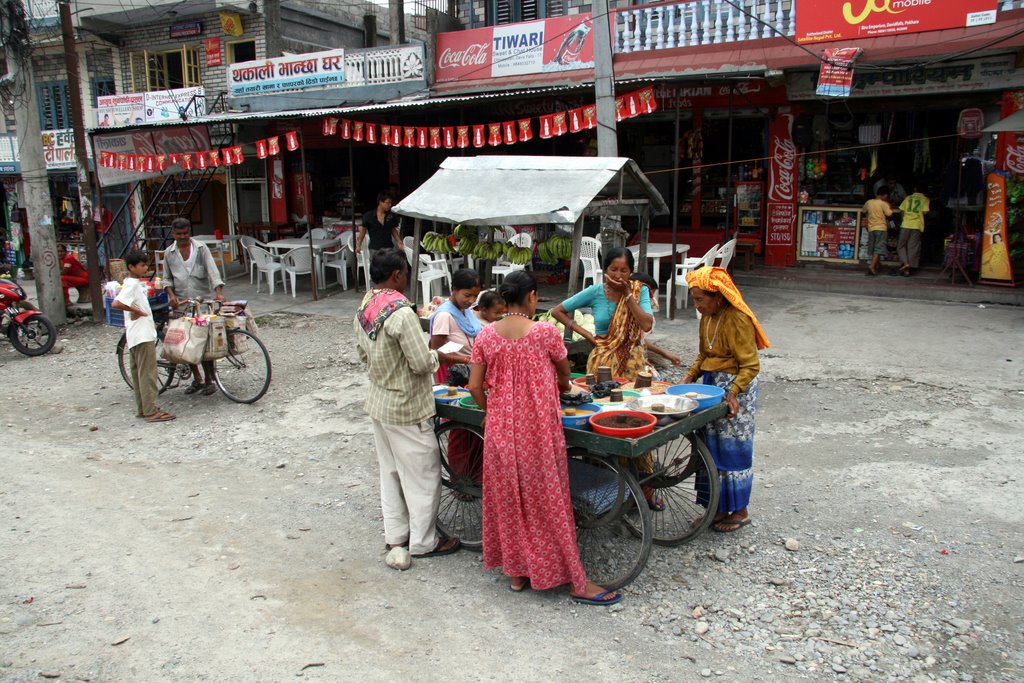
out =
column 675, row 406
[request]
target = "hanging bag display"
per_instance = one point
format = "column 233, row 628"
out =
column 217, row 339
column 185, row 341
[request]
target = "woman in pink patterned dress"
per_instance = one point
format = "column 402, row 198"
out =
column 528, row 526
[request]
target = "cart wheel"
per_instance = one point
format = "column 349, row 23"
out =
column 613, row 524
column 682, row 474
column 461, row 512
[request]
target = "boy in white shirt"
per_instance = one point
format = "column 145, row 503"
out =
column 141, row 337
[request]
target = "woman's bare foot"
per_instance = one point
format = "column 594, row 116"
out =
column 519, row 583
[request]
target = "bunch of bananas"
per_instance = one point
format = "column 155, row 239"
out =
column 467, row 236
column 518, row 255
column 436, row 243
column 557, row 248
column 488, row 251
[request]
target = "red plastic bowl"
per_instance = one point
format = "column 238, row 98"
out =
column 581, row 382
column 603, row 423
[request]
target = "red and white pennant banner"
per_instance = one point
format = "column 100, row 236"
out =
column 211, row 158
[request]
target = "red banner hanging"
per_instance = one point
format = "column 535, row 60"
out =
column 161, row 162
column 478, row 136
column 547, row 126
column 463, row 137
column 494, row 134
column 409, row 136
column 187, row 161
column 345, row 131
column 228, row 155
column 620, row 109
column 449, row 137
column 261, row 149
column 525, row 130
column 239, row 157
column 173, row 159
column 558, row 123
column 274, row 146
column 150, row 166
column 435, row 138
column 509, row 131
column 396, row 136
column 422, row 141
column 357, row 131
column 371, row 133
column 385, row 134
column 202, row 160
column 575, row 120
column 330, row 125
column 292, row 140
column 214, row 158
column 783, row 186
column 648, row 103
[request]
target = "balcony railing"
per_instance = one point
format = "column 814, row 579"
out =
column 375, row 66
column 702, row 22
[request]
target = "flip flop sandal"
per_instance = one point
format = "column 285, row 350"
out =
column 194, row 387
column 602, row 599
column 735, row 523
column 446, row 545
column 160, row 416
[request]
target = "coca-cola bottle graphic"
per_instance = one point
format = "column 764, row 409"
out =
column 571, row 47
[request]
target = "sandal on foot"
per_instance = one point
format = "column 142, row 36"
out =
column 604, row 598
column 654, row 501
column 521, row 586
column 738, row 524
column 160, row 416
column 208, row 389
column 194, row 387
column 446, row 545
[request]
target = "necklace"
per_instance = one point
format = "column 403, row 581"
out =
column 521, row 315
column 711, row 341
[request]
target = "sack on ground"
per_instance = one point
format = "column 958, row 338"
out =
column 184, row 341
column 217, row 341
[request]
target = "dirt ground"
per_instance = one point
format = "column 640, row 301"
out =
column 244, row 543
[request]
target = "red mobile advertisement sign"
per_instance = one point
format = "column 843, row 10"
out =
column 847, row 19
column 533, row 47
column 783, row 186
column 1010, row 151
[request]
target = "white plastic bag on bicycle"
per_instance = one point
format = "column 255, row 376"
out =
column 185, row 341
column 217, row 341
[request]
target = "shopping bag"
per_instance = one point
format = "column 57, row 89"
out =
column 185, row 341
column 216, row 340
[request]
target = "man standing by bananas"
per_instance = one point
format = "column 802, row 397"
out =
column 382, row 226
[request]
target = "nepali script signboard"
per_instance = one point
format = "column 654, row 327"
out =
column 827, row 20
column 294, row 72
column 783, row 185
column 533, row 47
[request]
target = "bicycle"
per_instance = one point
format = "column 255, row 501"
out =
column 243, row 375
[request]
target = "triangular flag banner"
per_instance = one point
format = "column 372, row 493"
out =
column 346, row 129
column 462, row 132
column 478, row 136
column 509, row 130
column 385, row 134
column 292, row 140
column 161, row 162
column 330, row 125
column 435, row 138
column 409, row 136
column 575, row 120
column 648, row 103
column 546, row 127
column 371, row 133
column 261, row 149
column 525, row 130
column 274, row 146
column 357, row 131
column 558, row 123
column 186, row 162
column 449, row 137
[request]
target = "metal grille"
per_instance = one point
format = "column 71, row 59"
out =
column 420, row 8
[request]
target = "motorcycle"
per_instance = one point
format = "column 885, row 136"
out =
column 29, row 331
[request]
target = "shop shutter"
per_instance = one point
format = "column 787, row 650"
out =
column 52, row 99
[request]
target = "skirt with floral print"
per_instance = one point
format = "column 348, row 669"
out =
column 731, row 443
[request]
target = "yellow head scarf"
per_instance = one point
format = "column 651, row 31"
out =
column 718, row 280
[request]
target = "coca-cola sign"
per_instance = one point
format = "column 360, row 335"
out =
column 782, row 166
column 547, row 45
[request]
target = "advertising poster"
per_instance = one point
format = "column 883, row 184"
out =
column 995, row 243
column 835, row 79
column 213, row 52
column 1010, row 150
column 162, row 105
column 827, row 20
column 168, row 140
column 783, row 184
column 294, row 72
column 59, row 148
column 545, row 46
column 120, row 110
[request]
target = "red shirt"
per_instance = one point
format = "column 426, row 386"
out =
column 73, row 266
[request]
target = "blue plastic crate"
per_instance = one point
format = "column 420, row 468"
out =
column 114, row 317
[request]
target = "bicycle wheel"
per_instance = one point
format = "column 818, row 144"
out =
column 165, row 370
column 682, row 474
column 244, row 374
column 613, row 524
column 461, row 512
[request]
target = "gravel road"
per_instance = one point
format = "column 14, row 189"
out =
column 244, row 543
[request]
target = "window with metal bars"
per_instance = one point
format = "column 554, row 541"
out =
column 101, row 87
column 513, row 11
column 52, row 98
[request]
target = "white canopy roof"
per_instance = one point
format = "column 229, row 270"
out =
column 1014, row 123
column 503, row 190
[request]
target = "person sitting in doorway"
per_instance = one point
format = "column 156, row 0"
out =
column 72, row 272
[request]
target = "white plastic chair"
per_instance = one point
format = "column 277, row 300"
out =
column 340, row 259
column 679, row 278
column 507, row 233
column 265, row 264
column 725, row 254
column 298, row 261
column 503, row 267
column 590, row 257
column 430, row 272
column 318, row 234
column 408, row 242
column 244, row 242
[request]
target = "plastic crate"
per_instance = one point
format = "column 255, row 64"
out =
column 114, row 317
column 158, row 303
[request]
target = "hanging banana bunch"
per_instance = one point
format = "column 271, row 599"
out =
column 556, row 249
column 436, row 243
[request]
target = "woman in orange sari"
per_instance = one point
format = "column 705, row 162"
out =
column 622, row 314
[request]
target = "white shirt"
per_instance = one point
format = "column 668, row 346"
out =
column 142, row 329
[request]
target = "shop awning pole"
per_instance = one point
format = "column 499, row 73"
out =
column 728, row 174
column 675, row 218
column 352, row 205
column 574, row 264
column 417, row 232
column 309, row 214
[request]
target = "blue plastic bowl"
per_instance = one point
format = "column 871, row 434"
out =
column 714, row 395
column 580, row 421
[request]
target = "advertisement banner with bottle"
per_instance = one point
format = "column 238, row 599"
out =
column 172, row 141
column 996, row 265
column 1010, row 147
column 783, row 185
column 544, row 46
column 848, row 19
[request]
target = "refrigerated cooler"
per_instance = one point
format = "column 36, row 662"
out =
column 749, row 212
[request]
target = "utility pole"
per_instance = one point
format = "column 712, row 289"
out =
column 81, row 160
column 396, row 19
column 35, row 187
column 604, row 82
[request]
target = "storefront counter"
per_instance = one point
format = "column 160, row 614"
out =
column 829, row 233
